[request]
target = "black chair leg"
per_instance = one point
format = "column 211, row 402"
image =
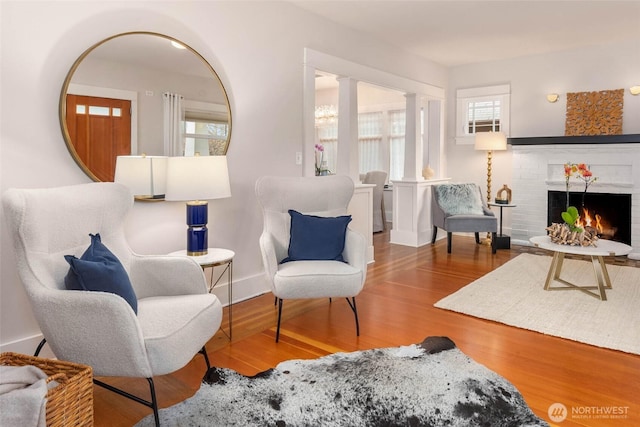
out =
column 279, row 319
column 352, row 304
column 39, row 348
column 477, row 237
column 206, row 357
column 449, row 237
column 154, row 401
column 435, row 234
column 153, row 404
column 494, row 242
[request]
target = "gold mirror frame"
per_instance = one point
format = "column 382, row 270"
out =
column 141, row 92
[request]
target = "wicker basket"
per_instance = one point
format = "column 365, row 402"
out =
column 70, row 403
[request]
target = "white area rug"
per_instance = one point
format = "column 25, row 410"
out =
column 513, row 294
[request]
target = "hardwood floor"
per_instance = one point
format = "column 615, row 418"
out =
column 396, row 308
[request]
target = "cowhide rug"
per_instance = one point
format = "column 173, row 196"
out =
column 427, row 384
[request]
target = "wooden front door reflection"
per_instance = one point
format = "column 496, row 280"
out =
column 100, row 130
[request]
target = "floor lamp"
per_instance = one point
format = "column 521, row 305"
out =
column 489, row 142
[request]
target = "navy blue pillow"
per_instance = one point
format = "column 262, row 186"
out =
column 317, row 238
column 99, row 270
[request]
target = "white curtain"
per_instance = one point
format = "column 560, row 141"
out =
column 397, row 127
column 370, row 130
column 173, row 120
column 370, row 154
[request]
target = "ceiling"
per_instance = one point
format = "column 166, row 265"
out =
column 455, row 32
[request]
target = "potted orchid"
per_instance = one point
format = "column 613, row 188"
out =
column 321, row 164
column 583, row 173
column 572, row 231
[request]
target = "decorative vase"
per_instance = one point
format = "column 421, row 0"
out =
column 428, row 173
column 504, row 195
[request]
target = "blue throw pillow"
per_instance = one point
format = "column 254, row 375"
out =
column 98, row 269
column 317, row 238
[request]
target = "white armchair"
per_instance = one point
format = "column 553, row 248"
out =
column 176, row 315
column 326, row 196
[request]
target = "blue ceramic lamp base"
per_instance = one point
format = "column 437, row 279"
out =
column 197, row 233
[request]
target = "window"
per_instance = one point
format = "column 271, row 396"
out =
column 370, row 130
column 207, row 137
column 482, row 109
column 483, row 116
column 397, row 128
column 381, row 135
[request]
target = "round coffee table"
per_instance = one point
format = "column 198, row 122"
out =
column 604, row 248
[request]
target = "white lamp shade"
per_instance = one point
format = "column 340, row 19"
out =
column 491, row 141
column 197, row 178
column 144, row 175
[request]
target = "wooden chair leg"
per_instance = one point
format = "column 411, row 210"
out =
column 477, row 237
column 435, row 233
column 449, row 237
column 494, row 242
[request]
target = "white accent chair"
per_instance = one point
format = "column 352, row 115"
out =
column 326, row 196
column 176, row 315
column 379, row 217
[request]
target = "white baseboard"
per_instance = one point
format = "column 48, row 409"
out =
column 27, row 346
column 243, row 289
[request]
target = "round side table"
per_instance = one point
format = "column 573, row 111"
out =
column 216, row 257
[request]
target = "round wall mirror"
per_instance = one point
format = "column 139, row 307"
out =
column 142, row 93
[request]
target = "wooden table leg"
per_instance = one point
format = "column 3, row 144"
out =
column 600, row 272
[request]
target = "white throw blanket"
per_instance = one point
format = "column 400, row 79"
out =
column 23, row 391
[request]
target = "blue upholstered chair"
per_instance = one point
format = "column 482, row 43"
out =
column 461, row 208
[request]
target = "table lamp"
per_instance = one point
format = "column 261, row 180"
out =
column 144, row 175
column 196, row 179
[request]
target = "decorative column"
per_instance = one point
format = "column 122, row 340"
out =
column 412, row 225
column 347, row 162
column 412, row 139
column 433, row 151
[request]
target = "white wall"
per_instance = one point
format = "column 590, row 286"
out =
column 531, row 78
column 256, row 48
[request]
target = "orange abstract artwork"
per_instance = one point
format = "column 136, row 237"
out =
column 594, row 113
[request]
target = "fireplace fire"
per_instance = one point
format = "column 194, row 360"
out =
column 608, row 213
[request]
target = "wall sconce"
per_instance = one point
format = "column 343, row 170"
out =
column 635, row 90
column 552, row 97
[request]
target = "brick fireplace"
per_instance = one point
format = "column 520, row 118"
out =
column 538, row 170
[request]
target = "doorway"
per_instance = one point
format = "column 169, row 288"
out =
column 100, row 129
